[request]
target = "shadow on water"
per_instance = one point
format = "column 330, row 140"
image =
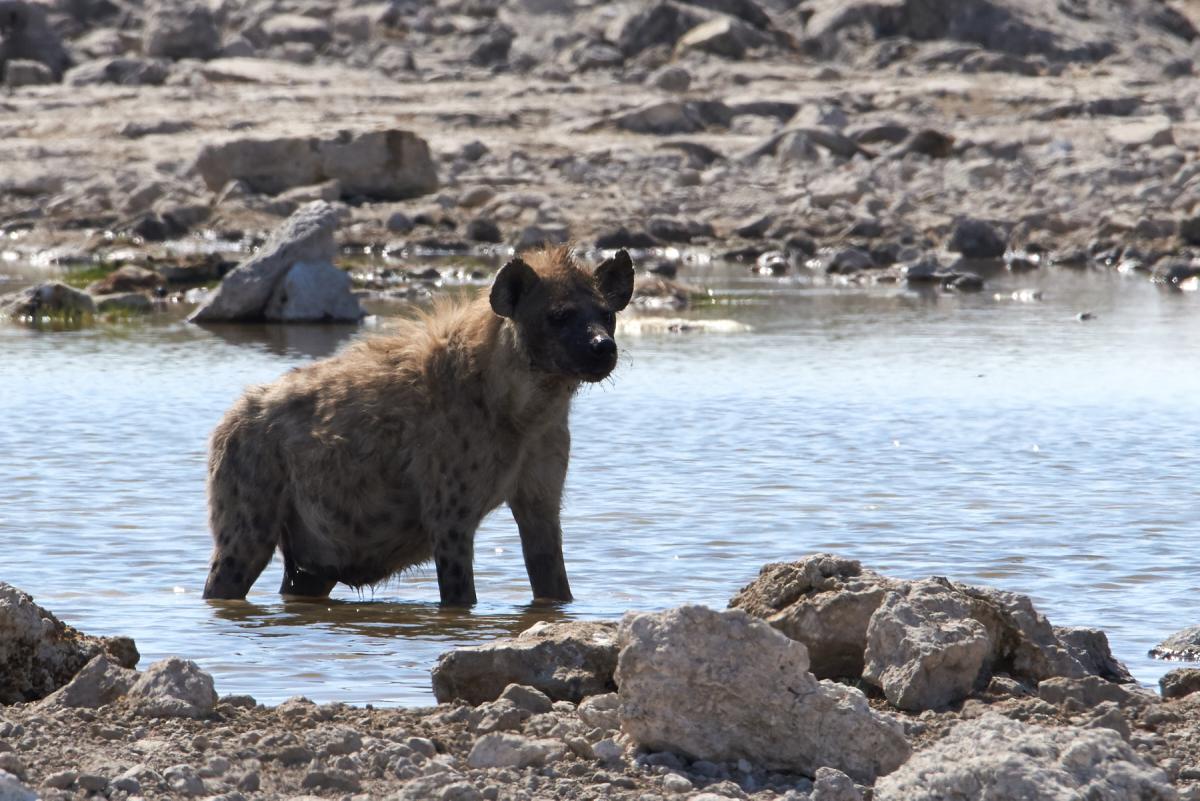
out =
column 315, row 341
column 388, row 619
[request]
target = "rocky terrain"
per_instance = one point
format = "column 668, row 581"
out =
column 871, row 140
column 823, row 681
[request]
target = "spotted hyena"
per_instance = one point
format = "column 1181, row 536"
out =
column 392, row 452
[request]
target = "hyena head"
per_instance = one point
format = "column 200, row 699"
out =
column 565, row 315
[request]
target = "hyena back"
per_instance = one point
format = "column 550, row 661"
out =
column 392, row 452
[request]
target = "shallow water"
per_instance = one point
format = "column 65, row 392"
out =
column 986, row 440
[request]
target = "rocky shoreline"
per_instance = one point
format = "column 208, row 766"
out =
column 858, row 142
column 823, row 681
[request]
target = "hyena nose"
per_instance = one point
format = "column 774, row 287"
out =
column 603, row 345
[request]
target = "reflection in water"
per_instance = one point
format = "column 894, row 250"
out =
column 924, row 433
column 315, row 341
column 388, row 619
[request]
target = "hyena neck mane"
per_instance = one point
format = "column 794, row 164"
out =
column 472, row 346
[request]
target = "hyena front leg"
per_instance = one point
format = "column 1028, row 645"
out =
column 535, row 505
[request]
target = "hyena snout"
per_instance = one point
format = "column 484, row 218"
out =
column 601, row 358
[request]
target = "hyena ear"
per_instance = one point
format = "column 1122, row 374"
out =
column 512, row 283
column 614, row 279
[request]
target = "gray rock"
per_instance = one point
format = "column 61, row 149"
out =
column 40, row 653
column 382, row 165
column 178, row 30
column 183, row 780
column 833, row 785
column 1022, row 639
column 823, row 601
column 287, row 28
column 28, row 36
column 22, row 72
column 174, row 688
column 493, row 48
column 1151, row 132
column 671, row 79
column 530, row 699
column 601, row 711
column 533, row 236
column 673, row 117
column 481, row 229
column 1020, row 29
column 498, row 750
column 441, row 786
column 313, row 293
column 1090, row 648
column 998, row 759
column 724, row 686
column 1183, row 644
column 1090, row 691
column 977, row 239
column 11, row 788
column 566, row 661
column 122, row 70
column 127, row 278
column 101, row 681
column 660, row 24
column 498, row 715
column 1180, row 682
column 923, row 649
column 264, row 286
column 53, row 299
column 724, row 36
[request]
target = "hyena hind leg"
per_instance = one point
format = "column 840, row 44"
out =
column 244, row 541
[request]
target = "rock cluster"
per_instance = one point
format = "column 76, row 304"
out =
column 926, row 644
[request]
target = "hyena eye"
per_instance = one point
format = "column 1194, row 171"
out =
column 562, row 316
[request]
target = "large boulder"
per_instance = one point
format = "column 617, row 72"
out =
column 39, row 653
column 288, row 280
column 993, row 758
column 26, row 35
column 178, row 30
column 382, row 165
column 567, row 661
column 723, row 686
column 121, row 70
column 920, row 642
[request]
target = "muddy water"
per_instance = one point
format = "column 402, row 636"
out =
column 988, row 440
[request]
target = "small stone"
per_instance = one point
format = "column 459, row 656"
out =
column 671, row 79
column 399, row 223
column 977, row 239
column 60, row 780
column 527, row 698
column 481, row 229
column 1181, row 682
column 174, row 687
column 513, row 751
column 674, row 783
column 608, row 750
column 92, row 782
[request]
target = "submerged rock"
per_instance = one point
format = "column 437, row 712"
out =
column 289, row 280
column 566, row 661
column 998, row 759
column 1183, row 644
column 40, row 653
column 723, row 686
column 383, row 165
column 53, row 299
